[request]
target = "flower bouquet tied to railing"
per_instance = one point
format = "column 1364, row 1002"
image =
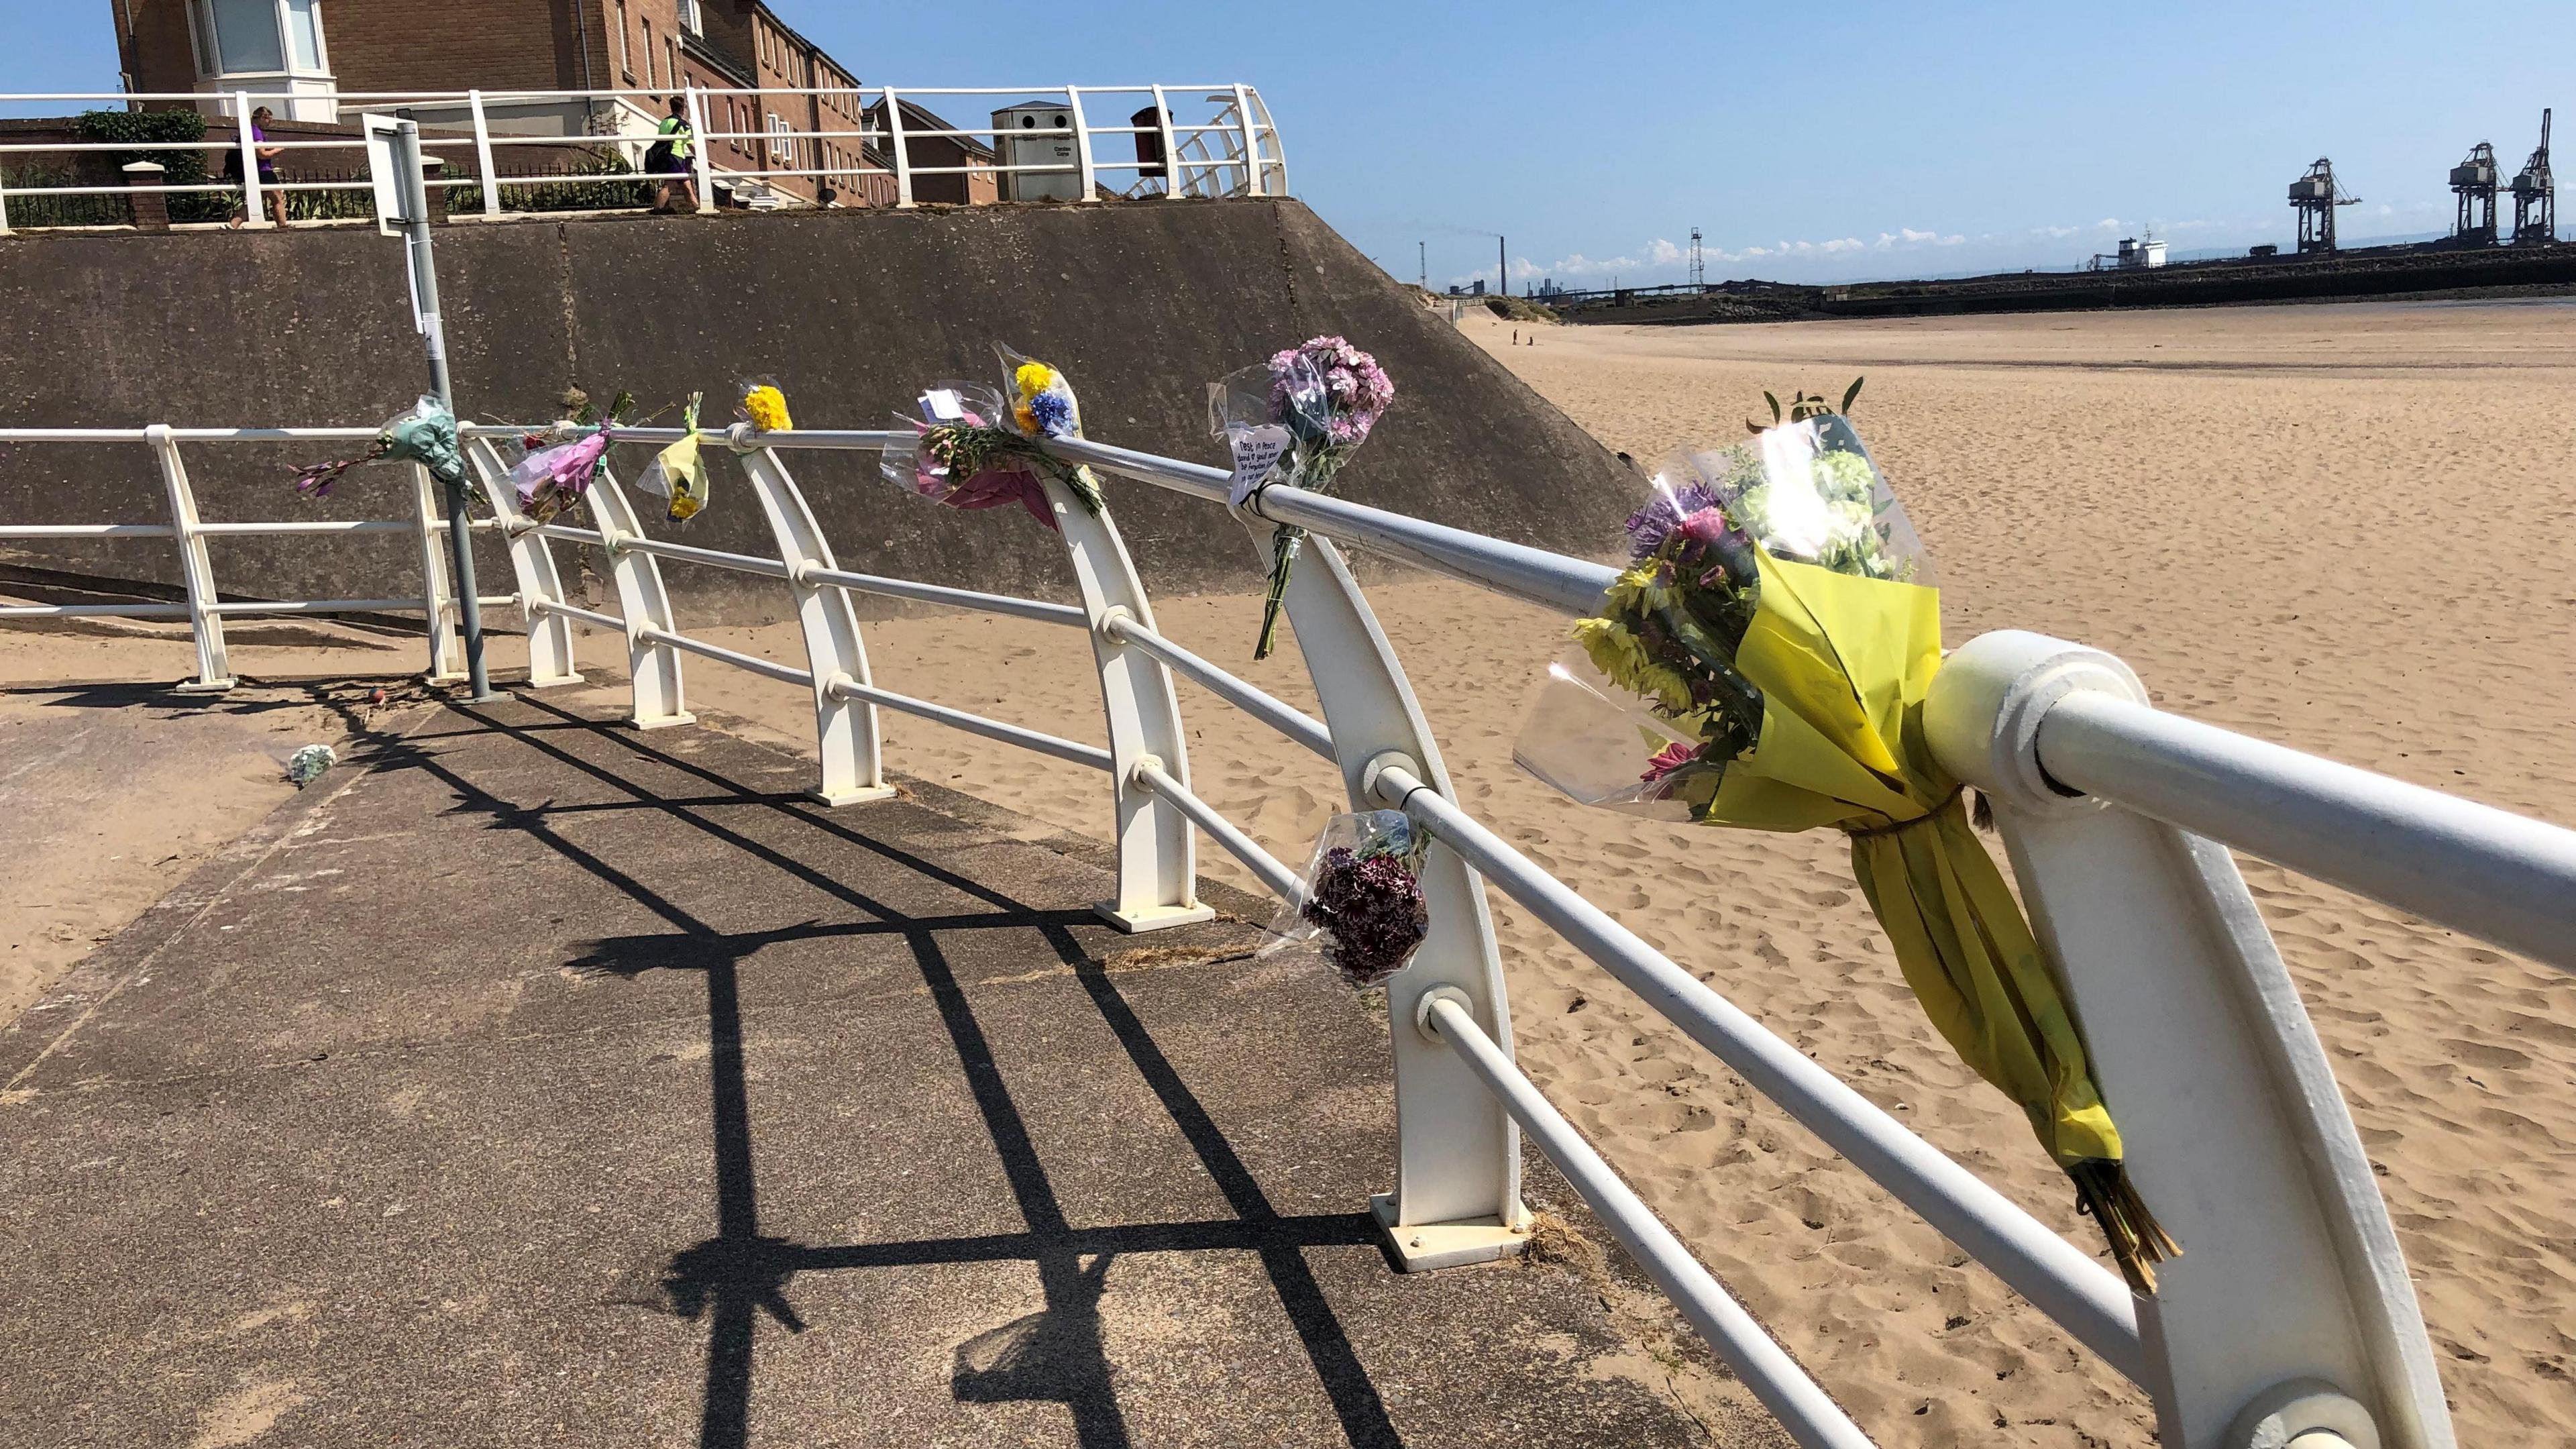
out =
column 1296, row 419
column 1761, row 663
column 425, row 435
column 559, row 462
column 678, row 474
column 1362, row 897
column 974, row 447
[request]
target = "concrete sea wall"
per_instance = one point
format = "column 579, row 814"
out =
column 850, row 312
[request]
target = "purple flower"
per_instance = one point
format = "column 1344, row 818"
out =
column 1357, row 391
column 1651, row 525
column 1371, row 911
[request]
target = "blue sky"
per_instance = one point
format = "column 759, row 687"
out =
column 1807, row 142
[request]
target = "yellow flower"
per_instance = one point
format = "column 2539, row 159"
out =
column 1622, row 656
column 1031, row 379
column 766, row 406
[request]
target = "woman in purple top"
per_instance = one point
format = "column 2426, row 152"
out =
column 267, row 155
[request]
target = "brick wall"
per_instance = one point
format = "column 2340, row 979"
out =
column 376, row 45
column 634, row 45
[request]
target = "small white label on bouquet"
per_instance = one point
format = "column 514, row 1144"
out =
column 943, row 405
column 1256, row 452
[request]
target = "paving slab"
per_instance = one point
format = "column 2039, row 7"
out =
column 531, row 1080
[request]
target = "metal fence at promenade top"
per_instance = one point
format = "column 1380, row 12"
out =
column 2290, row 1320
column 1169, row 141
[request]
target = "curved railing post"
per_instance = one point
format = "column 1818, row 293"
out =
column 845, row 730
column 652, row 668
column 1157, row 860
column 2290, row 1309
column 438, row 595
column 196, row 570
column 1457, row 1196
column 533, row 563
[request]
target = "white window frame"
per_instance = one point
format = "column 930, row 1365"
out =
column 781, row 152
column 625, row 53
column 693, row 18
column 307, row 90
column 206, row 45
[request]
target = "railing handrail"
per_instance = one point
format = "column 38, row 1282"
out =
column 1236, row 150
column 2485, row 871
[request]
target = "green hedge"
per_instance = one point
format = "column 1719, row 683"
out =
column 178, row 168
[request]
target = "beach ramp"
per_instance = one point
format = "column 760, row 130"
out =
column 532, row 1080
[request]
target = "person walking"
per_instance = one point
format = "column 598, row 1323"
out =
column 267, row 156
column 669, row 159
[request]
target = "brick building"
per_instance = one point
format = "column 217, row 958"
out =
column 300, row 55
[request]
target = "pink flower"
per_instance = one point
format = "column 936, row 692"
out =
column 1708, row 525
column 1670, row 758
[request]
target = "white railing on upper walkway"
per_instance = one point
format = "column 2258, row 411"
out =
column 2290, row 1320
column 1044, row 143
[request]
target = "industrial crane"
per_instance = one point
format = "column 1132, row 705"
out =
column 2474, row 182
column 2535, row 196
column 2315, row 197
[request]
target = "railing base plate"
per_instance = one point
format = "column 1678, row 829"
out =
column 1152, row 918
column 204, row 686
column 1422, row 1247
column 664, row 722
column 554, row 681
column 860, row 796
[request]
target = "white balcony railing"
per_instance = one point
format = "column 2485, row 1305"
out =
column 2291, row 1318
column 1169, row 141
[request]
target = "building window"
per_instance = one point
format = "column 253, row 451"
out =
column 671, row 59
column 692, row 19
column 625, row 61
column 652, row 78
column 257, row 37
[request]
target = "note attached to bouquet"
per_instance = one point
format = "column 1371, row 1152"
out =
column 1256, row 452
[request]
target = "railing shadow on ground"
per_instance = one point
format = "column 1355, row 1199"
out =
column 727, row 1281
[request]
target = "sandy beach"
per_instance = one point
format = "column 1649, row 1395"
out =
column 2342, row 528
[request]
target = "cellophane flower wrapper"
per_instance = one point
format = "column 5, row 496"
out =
column 425, row 434
column 1327, row 396
column 1776, row 629
column 760, row 406
column 552, row 479
column 1043, row 405
column 1807, row 492
column 963, row 455
column 678, row 474
column 1362, row 898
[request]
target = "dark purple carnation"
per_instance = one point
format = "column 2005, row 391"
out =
column 1371, row 912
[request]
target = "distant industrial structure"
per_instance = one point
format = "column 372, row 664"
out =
column 2315, row 197
column 2535, row 196
column 2135, row 254
column 2473, row 181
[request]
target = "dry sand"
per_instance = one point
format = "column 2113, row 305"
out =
column 2339, row 527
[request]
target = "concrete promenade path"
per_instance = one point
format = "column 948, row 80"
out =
column 530, row 1080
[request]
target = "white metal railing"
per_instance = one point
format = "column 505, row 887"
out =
column 202, row 604
column 1181, row 141
column 2290, row 1319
